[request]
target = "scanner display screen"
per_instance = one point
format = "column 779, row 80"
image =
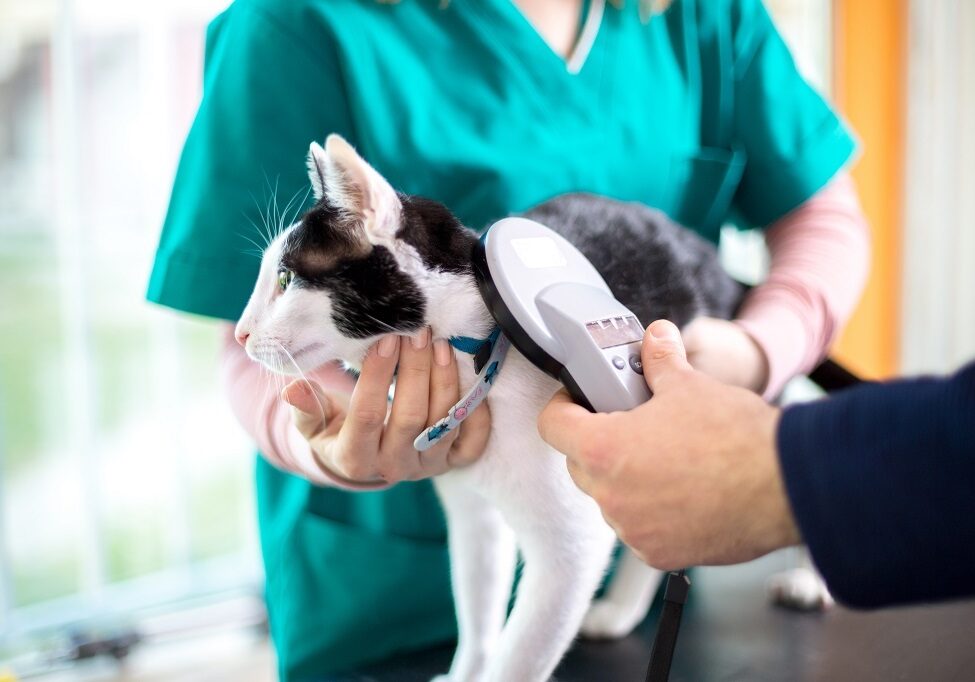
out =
column 615, row 331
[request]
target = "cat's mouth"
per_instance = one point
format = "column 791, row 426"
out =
column 279, row 359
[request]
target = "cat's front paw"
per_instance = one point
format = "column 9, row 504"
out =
column 801, row 589
column 608, row 620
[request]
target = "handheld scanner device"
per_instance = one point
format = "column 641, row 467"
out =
column 558, row 311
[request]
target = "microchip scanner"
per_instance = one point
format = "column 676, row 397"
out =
column 558, row 311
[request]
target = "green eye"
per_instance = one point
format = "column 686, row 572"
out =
column 285, row 277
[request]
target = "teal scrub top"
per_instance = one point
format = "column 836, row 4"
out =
column 700, row 112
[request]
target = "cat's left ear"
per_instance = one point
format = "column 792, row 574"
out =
column 350, row 184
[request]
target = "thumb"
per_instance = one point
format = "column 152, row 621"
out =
column 561, row 422
column 311, row 406
column 664, row 357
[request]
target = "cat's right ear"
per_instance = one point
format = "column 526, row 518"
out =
column 317, row 165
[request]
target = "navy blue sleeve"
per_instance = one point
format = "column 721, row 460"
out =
column 881, row 479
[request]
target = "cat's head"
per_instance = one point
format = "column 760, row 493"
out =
column 362, row 262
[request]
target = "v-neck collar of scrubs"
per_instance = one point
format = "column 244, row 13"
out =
column 514, row 29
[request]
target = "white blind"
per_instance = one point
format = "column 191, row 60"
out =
column 938, row 303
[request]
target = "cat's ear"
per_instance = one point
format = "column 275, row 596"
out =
column 317, row 162
column 350, row 184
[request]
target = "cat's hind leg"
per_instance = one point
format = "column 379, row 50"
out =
column 563, row 564
column 482, row 566
column 626, row 601
column 800, row 588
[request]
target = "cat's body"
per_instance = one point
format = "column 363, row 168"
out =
column 368, row 261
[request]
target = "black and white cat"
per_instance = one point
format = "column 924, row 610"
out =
column 365, row 261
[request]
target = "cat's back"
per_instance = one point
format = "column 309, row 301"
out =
column 655, row 267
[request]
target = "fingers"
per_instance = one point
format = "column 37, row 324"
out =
column 311, row 408
column 664, row 357
column 561, row 423
column 444, row 382
column 364, row 424
column 444, row 394
column 411, row 403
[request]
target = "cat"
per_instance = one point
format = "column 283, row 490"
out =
column 364, row 261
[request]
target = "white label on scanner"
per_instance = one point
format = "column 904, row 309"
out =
column 538, row 252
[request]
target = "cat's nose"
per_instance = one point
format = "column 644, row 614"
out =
column 241, row 335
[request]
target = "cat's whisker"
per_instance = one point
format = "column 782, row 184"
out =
column 386, row 326
column 271, row 208
column 270, row 200
column 260, row 249
column 263, row 231
column 301, row 374
column 286, row 218
column 257, row 229
column 274, row 217
column 244, row 236
column 266, row 215
column 268, row 381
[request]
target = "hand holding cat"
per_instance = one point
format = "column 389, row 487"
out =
column 725, row 351
column 690, row 477
column 351, row 435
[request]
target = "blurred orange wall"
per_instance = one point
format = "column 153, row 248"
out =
column 870, row 88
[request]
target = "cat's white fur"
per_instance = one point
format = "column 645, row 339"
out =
column 518, row 494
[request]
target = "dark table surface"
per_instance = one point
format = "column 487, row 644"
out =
column 729, row 632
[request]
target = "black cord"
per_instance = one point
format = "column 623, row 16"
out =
column 665, row 641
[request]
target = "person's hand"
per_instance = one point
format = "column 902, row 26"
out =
column 725, row 351
column 690, row 477
column 351, row 435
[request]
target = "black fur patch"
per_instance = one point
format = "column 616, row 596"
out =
column 370, row 294
column 655, row 267
column 441, row 240
column 322, row 233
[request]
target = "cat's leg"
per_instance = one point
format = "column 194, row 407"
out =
column 563, row 566
column 482, row 567
column 626, row 600
column 801, row 588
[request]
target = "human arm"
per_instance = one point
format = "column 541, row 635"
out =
column 877, row 481
column 819, row 258
column 794, row 186
column 881, row 479
column 333, row 430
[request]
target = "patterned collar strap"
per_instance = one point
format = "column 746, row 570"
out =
column 466, row 344
column 493, row 349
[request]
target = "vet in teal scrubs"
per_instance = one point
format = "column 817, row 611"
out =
column 699, row 111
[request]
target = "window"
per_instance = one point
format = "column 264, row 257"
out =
column 124, row 480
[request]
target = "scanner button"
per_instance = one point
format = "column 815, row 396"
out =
column 618, row 362
column 636, row 364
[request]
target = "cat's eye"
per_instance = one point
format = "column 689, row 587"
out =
column 285, row 277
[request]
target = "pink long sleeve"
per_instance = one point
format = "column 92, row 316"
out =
column 256, row 402
column 820, row 255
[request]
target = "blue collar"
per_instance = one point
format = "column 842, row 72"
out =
column 466, row 344
column 488, row 355
column 480, row 348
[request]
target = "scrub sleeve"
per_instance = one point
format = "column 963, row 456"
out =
column 699, row 112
